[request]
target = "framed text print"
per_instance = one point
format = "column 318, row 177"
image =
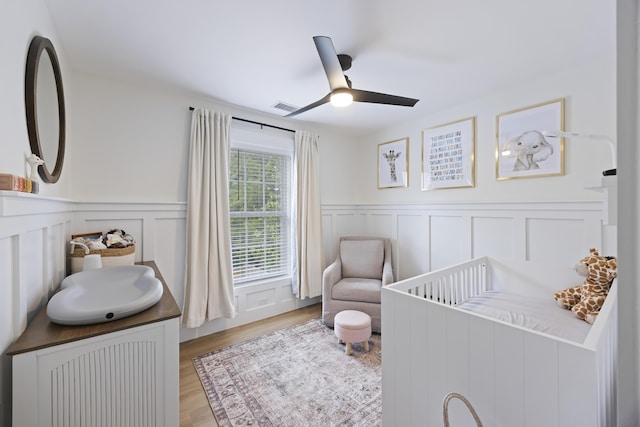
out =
column 393, row 164
column 522, row 150
column 448, row 155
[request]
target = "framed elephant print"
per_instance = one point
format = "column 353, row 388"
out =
column 393, row 164
column 522, row 149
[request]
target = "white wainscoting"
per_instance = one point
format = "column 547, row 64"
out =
column 159, row 230
column 33, row 239
column 428, row 237
column 34, row 232
column 33, row 235
column 424, row 237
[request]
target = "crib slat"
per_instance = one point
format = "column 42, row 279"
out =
column 575, row 387
column 509, row 360
column 420, row 365
column 403, row 333
column 451, row 287
column 437, row 359
column 481, row 368
column 540, row 370
column 457, row 350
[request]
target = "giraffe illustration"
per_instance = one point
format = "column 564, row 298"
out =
column 391, row 159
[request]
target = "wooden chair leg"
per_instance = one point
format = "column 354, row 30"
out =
column 366, row 345
column 348, row 350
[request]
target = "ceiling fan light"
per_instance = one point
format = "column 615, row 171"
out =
column 341, row 97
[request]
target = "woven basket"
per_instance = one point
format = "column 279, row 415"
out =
column 109, row 257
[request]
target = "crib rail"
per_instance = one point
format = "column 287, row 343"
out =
column 449, row 286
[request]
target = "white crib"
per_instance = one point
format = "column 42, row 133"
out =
column 512, row 375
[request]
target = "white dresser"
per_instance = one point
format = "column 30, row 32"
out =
column 121, row 373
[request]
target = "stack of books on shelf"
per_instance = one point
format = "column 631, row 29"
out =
column 17, row 183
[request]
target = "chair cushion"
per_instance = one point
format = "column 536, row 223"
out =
column 362, row 258
column 363, row 290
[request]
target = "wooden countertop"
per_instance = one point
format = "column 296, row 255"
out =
column 42, row 333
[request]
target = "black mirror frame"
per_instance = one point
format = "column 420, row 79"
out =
column 37, row 46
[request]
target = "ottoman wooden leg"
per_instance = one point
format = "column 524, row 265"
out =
column 366, row 345
column 348, row 350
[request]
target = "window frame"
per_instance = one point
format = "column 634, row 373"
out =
column 270, row 143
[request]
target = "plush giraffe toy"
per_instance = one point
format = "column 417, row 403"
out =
column 586, row 300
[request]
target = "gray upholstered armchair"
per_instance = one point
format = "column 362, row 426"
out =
column 354, row 280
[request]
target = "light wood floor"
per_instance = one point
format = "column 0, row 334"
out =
column 194, row 406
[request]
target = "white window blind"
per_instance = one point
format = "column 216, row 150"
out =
column 259, row 203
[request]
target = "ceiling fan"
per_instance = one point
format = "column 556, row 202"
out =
column 341, row 92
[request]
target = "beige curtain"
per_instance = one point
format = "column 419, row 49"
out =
column 208, row 268
column 308, row 258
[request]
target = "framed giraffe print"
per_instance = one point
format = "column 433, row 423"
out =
column 448, row 155
column 393, row 164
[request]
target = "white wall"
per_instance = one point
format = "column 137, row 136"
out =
column 133, row 143
column 150, row 126
column 19, row 22
column 590, row 107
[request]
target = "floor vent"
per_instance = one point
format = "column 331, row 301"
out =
column 280, row 105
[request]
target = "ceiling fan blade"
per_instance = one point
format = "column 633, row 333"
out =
column 330, row 62
column 310, row 106
column 382, row 98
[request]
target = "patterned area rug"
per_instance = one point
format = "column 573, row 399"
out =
column 299, row 376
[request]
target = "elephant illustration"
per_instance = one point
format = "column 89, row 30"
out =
column 528, row 149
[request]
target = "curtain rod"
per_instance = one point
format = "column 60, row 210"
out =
column 256, row 123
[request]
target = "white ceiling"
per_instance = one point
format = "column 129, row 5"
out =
column 255, row 53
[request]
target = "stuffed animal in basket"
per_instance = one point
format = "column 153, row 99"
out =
column 586, row 300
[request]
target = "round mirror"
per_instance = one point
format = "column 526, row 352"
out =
column 44, row 102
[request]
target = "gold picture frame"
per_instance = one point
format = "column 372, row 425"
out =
column 522, row 149
column 448, row 155
column 393, row 164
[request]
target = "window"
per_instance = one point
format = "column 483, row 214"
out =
column 260, row 208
